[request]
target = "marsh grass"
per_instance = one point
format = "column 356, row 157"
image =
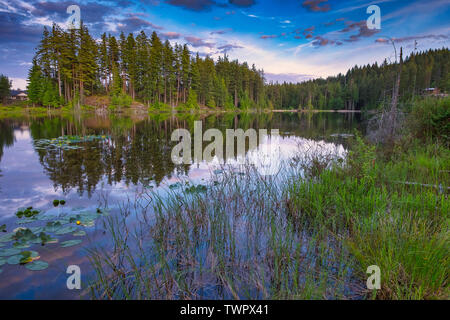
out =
column 309, row 232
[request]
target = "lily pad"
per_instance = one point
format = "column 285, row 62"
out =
column 19, row 245
column 29, row 256
column 3, row 228
column 2, row 262
column 80, row 233
column 26, row 221
column 14, row 259
column 9, row 252
column 37, row 265
column 70, row 243
column 65, row 230
column 7, row 237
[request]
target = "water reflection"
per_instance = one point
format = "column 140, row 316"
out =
column 139, row 150
column 137, row 153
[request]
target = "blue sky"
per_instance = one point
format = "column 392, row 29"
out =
column 292, row 40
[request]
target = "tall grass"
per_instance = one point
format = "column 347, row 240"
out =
column 308, row 233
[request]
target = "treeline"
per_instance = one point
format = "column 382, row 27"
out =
column 70, row 65
column 366, row 87
column 5, row 88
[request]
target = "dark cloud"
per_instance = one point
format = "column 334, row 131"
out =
column 91, row 12
column 242, row 3
column 269, row 36
column 197, row 42
column 194, row 5
column 221, row 31
column 321, row 41
column 314, row 5
column 170, row 35
column 412, row 38
column 13, row 30
column 133, row 23
column 205, row 5
column 228, row 47
column 332, row 23
column 361, row 27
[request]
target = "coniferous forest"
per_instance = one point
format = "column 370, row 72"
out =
column 71, row 65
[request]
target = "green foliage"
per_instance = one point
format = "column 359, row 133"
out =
column 121, row 101
column 367, row 87
column 430, row 118
column 191, row 103
column 5, row 87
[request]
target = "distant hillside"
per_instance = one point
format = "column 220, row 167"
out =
column 366, row 87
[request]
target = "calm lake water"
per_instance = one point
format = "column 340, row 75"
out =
column 110, row 160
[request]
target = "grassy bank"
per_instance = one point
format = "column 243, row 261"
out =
column 308, row 233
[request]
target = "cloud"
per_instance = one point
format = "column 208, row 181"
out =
column 242, row 3
column 321, row 41
column 269, row 36
column 288, row 77
column 13, row 29
column 314, row 5
column 19, row 83
column 363, row 31
column 133, row 23
column 228, row 47
column 170, row 35
column 193, row 5
column 197, row 42
column 221, row 31
column 206, row 5
column 412, row 38
column 91, row 12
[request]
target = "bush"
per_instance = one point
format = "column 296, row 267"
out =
column 121, row 101
column 429, row 119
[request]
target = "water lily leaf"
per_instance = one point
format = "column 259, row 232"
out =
column 14, row 259
column 80, row 233
column 53, row 226
column 9, row 252
column 2, row 261
column 26, row 221
column 7, row 237
column 70, row 243
column 19, row 245
column 44, row 217
column 3, row 228
column 23, row 235
column 65, row 230
column 37, row 229
column 29, row 256
column 37, row 265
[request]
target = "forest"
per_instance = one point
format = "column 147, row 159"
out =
column 366, row 87
column 71, row 65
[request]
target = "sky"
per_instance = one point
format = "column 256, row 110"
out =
column 291, row 40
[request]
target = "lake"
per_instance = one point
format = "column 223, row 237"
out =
column 101, row 165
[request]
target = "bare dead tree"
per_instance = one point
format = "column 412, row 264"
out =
column 383, row 127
